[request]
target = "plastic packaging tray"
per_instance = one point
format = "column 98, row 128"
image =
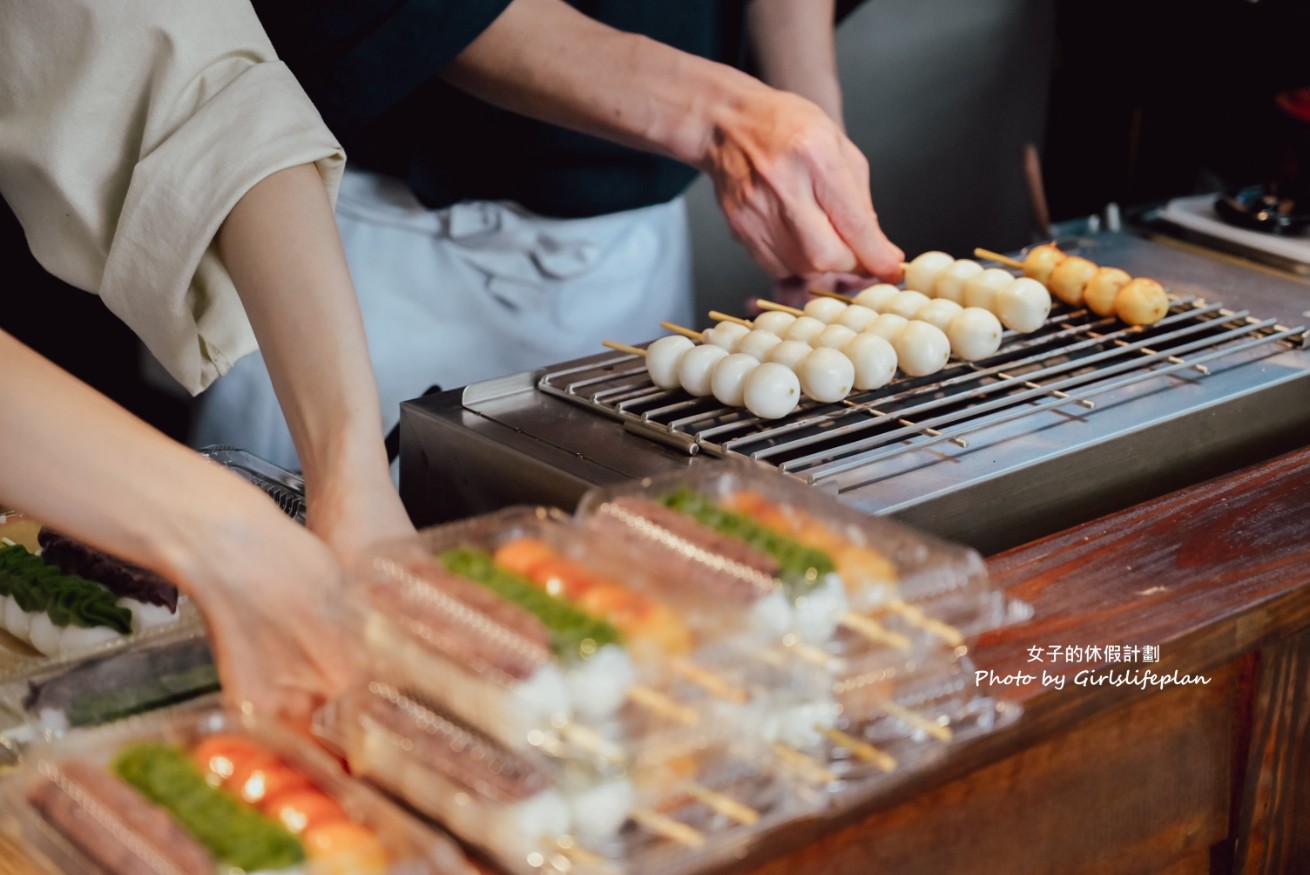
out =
column 898, row 591
column 19, row 660
column 97, row 828
column 535, row 814
column 167, row 668
column 671, row 670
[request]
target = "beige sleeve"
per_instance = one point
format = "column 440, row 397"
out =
column 128, row 130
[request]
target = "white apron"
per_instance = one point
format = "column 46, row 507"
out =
column 474, row 291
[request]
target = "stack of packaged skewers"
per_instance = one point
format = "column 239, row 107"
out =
column 650, row 684
column 646, row 686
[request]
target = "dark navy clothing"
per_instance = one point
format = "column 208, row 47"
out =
column 371, row 67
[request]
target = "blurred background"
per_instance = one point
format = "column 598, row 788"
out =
column 1130, row 103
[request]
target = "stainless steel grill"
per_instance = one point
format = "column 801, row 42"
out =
column 1064, row 366
column 1080, row 418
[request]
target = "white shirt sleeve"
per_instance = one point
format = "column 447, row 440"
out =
column 128, row 131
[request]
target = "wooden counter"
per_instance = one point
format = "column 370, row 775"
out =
column 1197, row 778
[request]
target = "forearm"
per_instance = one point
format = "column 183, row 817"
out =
column 795, row 51
column 281, row 247
column 84, row 464
column 544, row 59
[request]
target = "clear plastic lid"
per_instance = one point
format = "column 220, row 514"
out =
column 279, row 484
column 540, row 635
column 856, row 583
column 533, row 813
column 164, row 669
column 207, row 790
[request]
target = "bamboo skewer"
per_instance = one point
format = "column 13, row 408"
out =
column 874, row 631
column 915, row 616
column 668, row 828
column 724, row 805
column 593, row 743
column 691, row 333
column 661, row 704
column 811, row 770
column 998, row 257
column 782, row 308
column 923, row 429
column 824, row 293
column 861, row 749
column 918, row 721
column 709, row 681
column 623, row 347
column 727, row 317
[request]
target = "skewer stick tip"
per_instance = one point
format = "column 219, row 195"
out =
column 679, row 329
column 824, row 293
column 623, row 347
column 774, row 305
column 996, row 256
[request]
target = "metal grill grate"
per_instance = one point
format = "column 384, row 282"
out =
column 1075, row 357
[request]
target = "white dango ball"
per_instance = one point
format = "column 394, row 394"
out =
column 804, row 329
column 981, row 289
column 662, row 359
column 826, row 310
column 857, row 317
column 874, row 360
column 826, row 375
column 773, row 321
column 725, row 334
column 728, row 380
column 788, row 353
column 906, row 304
column 876, row 297
column 696, row 366
column 921, row 273
column 757, row 343
column 833, row 337
column 939, row 312
column 921, row 349
column 887, row 326
column 950, row 282
column 1023, row 306
column 772, row 391
column 974, row 334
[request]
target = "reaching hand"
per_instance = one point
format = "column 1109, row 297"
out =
column 273, row 625
column 795, row 190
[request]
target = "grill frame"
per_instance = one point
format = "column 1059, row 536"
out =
column 506, row 441
column 1074, row 358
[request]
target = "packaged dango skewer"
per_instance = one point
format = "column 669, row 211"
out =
column 542, row 636
column 885, row 611
column 62, row 600
column 166, row 668
column 538, row 814
column 854, row 585
column 205, row 790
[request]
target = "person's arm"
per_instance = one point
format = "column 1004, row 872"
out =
column 82, row 464
column 794, row 49
column 280, row 246
column 794, row 189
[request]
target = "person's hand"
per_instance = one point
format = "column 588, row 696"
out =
column 795, row 190
column 272, row 612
